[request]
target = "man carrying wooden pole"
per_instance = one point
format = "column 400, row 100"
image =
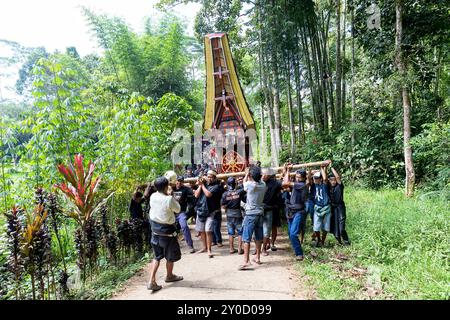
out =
column 276, row 169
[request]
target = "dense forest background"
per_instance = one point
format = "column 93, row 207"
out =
column 323, row 81
column 321, row 84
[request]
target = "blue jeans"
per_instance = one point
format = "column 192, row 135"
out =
column 234, row 225
column 294, row 225
column 309, row 208
column 182, row 220
column 216, row 234
column 252, row 223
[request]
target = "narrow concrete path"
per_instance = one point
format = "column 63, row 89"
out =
column 218, row 278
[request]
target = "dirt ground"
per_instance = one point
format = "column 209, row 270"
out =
column 218, row 278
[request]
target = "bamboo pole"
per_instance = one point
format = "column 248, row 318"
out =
column 242, row 173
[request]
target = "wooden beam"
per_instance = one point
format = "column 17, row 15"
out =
column 242, row 173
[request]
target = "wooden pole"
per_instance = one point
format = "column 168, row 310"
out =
column 277, row 169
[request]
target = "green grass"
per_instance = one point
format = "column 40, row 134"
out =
column 105, row 284
column 400, row 250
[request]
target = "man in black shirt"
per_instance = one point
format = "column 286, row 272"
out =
column 136, row 206
column 338, row 212
column 231, row 202
column 271, row 215
column 208, row 205
column 296, row 207
column 183, row 194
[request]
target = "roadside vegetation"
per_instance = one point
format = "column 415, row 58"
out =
column 400, row 249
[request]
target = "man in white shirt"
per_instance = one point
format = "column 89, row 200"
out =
column 164, row 237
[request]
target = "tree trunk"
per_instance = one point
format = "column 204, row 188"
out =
column 276, row 80
column 276, row 100
column 263, row 149
column 267, row 89
column 343, row 59
column 317, row 64
column 273, row 135
column 289, row 103
column 263, row 145
column 438, row 62
column 353, row 79
column 338, row 62
column 298, row 88
column 311, row 83
column 401, row 66
column 327, row 83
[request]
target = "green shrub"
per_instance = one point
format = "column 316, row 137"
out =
column 432, row 155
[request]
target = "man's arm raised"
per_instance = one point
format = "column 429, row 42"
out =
column 323, row 170
column 199, row 189
column 286, row 181
column 336, row 175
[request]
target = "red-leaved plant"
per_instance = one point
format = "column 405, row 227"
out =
column 80, row 190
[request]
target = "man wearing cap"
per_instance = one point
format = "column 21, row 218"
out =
column 171, row 176
column 296, row 214
column 254, row 211
column 183, row 194
column 322, row 209
column 209, row 194
column 271, row 214
column 231, row 202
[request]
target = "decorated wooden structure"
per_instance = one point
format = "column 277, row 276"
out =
column 225, row 106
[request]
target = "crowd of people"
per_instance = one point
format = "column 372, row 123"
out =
column 254, row 206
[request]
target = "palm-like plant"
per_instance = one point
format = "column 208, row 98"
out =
column 81, row 189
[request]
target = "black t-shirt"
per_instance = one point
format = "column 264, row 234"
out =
column 231, row 199
column 299, row 195
column 213, row 202
column 182, row 195
column 136, row 210
column 312, row 192
column 337, row 194
column 271, row 197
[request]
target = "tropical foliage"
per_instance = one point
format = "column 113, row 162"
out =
column 322, row 82
column 119, row 109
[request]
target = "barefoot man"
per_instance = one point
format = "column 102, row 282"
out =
column 208, row 205
column 254, row 213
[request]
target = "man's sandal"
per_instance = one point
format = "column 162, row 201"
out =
column 174, row 278
column 245, row 267
column 154, row 287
